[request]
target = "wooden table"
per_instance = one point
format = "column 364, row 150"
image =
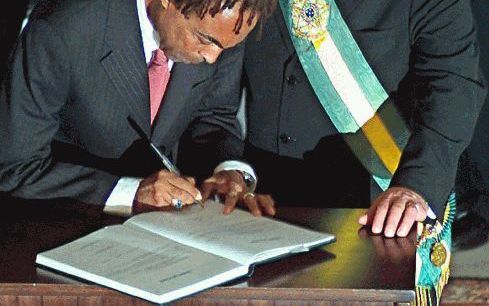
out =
column 358, row 269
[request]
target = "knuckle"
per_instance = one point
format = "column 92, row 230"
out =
column 390, row 194
column 235, row 186
column 411, row 210
column 186, row 198
column 383, row 206
column 159, row 195
column 168, row 189
column 398, row 205
column 162, row 174
column 409, row 213
column 233, row 193
column 178, row 193
column 194, row 192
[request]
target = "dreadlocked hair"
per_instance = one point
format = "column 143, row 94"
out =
column 263, row 8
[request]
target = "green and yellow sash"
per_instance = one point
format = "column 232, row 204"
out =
column 353, row 98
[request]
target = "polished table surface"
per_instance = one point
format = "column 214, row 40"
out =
column 358, row 269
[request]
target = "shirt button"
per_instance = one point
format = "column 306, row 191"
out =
column 291, row 79
column 284, row 138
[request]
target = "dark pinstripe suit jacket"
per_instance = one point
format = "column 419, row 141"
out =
column 78, row 72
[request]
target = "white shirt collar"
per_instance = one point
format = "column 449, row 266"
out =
column 150, row 37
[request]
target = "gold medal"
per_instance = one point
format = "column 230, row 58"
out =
column 438, row 254
column 310, row 18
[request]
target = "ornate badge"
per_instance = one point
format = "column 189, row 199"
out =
column 438, row 254
column 310, row 18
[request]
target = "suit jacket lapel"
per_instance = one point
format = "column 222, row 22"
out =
column 124, row 62
column 183, row 78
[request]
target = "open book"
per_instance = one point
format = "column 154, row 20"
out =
column 163, row 256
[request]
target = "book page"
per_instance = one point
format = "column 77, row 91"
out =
column 141, row 263
column 239, row 236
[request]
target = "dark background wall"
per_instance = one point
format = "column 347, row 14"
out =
column 11, row 15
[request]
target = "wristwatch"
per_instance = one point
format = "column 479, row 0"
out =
column 249, row 180
column 246, row 171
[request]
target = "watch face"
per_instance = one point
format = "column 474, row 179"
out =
column 247, row 177
column 249, row 181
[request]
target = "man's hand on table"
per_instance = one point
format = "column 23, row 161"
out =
column 395, row 211
column 230, row 186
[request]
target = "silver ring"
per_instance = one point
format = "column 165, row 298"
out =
column 177, row 203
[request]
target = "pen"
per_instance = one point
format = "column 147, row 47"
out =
column 164, row 160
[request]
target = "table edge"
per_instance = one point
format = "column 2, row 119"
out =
column 305, row 294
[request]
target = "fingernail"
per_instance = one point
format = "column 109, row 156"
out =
column 401, row 233
column 363, row 220
column 199, row 196
column 375, row 230
column 389, row 233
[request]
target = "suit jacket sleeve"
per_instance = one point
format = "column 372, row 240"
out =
column 450, row 93
column 215, row 133
column 36, row 89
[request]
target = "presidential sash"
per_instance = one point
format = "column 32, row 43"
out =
column 355, row 101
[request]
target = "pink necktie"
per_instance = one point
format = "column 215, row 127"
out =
column 159, row 74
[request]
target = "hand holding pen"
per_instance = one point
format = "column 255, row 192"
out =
column 165, row 187
column 176, row 202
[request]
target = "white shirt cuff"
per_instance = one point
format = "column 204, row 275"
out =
column 120, row 200
column 235, row 165
column 239, row 166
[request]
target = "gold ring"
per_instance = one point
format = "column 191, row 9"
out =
column 248, row 195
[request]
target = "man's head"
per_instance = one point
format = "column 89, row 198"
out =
column 193, row 31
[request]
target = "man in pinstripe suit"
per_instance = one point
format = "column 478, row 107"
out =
column 80, row 70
